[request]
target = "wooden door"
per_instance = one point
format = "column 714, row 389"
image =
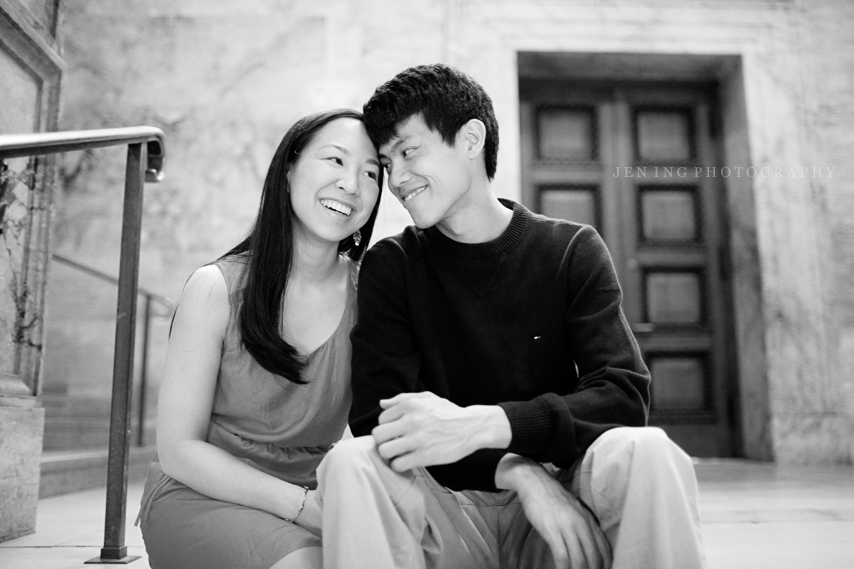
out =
column 635, row 161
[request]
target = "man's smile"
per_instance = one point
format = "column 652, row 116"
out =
column 406, row 198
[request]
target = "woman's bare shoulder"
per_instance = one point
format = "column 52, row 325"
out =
column 205, row 296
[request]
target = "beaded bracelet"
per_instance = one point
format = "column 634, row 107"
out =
column 301, row 506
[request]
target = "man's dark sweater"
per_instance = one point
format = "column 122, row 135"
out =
column 530, row 321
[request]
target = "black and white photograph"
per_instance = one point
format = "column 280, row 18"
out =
column 437, row 284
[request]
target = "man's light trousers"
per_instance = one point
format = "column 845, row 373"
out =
column 640, row 485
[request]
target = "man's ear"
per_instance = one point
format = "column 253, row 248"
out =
column 473, row 137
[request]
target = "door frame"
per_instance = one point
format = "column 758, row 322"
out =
column 728, row 363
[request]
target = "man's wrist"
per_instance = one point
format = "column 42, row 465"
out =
column 492, row 429
column 513, row 471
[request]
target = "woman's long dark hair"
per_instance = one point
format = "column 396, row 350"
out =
column 270, row 250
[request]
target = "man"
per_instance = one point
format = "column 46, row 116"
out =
column 499, row 397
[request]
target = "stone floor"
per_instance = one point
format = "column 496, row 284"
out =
column 754, row 515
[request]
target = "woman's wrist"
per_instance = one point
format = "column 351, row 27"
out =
column 286, row 499
column 300, row 508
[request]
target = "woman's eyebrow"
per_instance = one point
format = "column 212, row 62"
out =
column 338, row 146
column 347, row 152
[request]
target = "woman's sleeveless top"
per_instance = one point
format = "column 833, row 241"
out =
column 284, row 430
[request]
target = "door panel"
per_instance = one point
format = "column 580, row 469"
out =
column 624, row 158
column 577, row 201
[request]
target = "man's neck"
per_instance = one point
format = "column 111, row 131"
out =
column 478, row 218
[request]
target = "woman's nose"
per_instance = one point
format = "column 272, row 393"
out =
column 348, row 183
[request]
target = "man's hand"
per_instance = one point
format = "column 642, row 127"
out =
column 422, row 429
column 570, row 530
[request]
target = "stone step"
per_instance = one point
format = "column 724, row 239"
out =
column 67, row 434
column 64, row 472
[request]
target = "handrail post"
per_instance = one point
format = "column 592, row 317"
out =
column 115, row 550
column 143, row 372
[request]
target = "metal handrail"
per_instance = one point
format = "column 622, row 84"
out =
column 149, row 297
column 15, row 145
column 146, row 156
column 164, row 301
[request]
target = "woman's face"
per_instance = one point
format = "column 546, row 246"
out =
column 333, row 183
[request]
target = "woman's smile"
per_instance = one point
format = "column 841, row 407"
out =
column 336, row 206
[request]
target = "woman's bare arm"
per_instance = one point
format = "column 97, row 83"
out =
column 184, row 409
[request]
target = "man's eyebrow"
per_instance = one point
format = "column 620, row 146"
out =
column 396, row 145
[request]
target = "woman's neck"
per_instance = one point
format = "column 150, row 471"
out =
column 314, row 261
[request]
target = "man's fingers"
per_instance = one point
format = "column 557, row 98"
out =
column 591, row 538
column 388, row 403
column 583, row 552
column 559, row 550
column 403, row 463
column 400, row 397
column 387, row 431
column 590, row 544
column 392, row 413
column 603, row 545
column 577, row 556
column 394, row 448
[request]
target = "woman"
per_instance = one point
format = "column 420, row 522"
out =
column 256, row 383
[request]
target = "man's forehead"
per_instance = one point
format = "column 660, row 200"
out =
column 404, row 131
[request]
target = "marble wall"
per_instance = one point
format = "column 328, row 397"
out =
column 30, row 67
column 795, row 381
column 225, row 79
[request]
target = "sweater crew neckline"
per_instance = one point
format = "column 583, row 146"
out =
column 497, row 246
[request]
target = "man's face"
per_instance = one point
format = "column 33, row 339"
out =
column 425, row 174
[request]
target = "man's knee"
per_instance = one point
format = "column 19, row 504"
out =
column 354, row 467
column 350, row 454
column 649, row 446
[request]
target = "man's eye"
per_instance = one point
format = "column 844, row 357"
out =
column 387, row 168
column 407, row 152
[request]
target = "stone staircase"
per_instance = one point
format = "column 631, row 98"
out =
column 76, row 439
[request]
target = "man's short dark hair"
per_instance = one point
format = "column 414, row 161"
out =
column 445, row 97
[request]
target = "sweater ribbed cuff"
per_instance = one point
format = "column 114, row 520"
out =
column 530, row 423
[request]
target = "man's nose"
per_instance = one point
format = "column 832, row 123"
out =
column 398, row 176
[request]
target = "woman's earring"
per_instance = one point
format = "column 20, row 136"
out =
column 357, row 238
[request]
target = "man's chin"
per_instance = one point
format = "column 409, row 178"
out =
column 421, row 221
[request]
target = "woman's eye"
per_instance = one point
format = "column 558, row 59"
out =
column 337, row 160
column 372, row 175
